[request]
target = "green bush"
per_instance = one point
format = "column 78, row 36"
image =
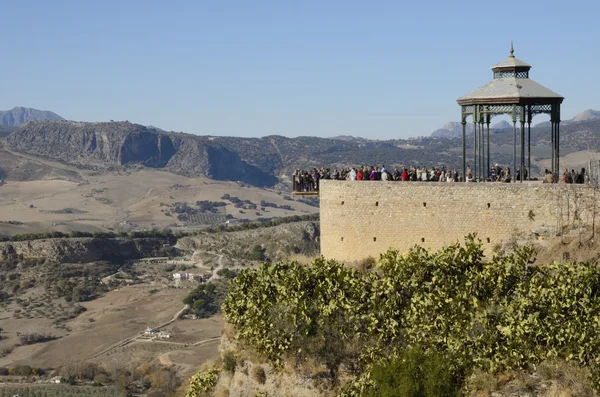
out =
column 487, row 313
column 205, row 300
column 257, row 253
column 414, row 373
column 229, row 361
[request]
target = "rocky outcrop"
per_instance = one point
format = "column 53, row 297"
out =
column 117, row 144
column 81, row 250
column 278, row 241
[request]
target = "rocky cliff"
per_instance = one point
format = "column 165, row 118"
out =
column 263, row 161
column 81, row 250
column 278, row 242
column 123, row 143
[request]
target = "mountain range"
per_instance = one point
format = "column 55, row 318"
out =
column 454, row 129
column 19, row 115
column 263, row 161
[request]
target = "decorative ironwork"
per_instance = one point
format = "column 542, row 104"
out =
column 537, row 109
column 468, row 110
column 511, row 74
column 484, row 104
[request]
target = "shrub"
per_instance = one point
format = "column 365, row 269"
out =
column 257, row 253
column 202, row 382
column 499, row 313
column 414, row 373
column 259, row 375
column 229, row 361
column 34, row 337
column 205, row 300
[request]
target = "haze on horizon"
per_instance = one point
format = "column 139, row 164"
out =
column 380, row 70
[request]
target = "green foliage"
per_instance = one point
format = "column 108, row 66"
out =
column 257, row 253
column 99, row 235
column 414, row 373
column 229, row 361
column 206, row 299
column 202, row 382
column 227, row 273
column 499, row 313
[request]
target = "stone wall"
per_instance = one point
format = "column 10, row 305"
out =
column 361, row 219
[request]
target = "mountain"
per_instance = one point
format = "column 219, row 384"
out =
column 501, row 125
column 19, row 115
column 119, row 144
column 587, row 115
column 267, row 160
column 452, row 129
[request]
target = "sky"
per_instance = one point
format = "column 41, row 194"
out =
column 377, row 69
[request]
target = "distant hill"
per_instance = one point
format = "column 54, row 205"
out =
column 587, row 115
column 501, row 125
column 454, row 129
column 19, row 115
column 268, row 160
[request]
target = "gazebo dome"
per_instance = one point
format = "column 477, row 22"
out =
column 513, row 93
column 511, row 85
column 511, row 67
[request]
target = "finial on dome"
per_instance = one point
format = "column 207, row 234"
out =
column 512, row 50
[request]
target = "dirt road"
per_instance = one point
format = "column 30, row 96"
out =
column 127, row 341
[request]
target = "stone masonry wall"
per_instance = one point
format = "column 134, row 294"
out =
column 361, row 219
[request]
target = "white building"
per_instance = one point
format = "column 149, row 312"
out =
column 183, row 276
column 151, row 331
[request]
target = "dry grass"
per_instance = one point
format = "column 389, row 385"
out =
column 482, row 383
column 108, row 199
column 552, row 379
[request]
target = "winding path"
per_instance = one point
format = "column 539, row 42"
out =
column 214, row 275
column 127, row 341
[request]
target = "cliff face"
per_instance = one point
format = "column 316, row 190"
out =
column 278, row 242
column 80, row 250
column 123, row 143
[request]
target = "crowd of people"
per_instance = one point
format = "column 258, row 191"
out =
column 308, row 181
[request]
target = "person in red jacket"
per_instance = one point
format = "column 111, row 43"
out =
column 359, row 175
column 404, row 174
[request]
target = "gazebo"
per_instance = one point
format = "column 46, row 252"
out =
column 510, row 92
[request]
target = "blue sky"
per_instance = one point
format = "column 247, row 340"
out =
column 380, row 69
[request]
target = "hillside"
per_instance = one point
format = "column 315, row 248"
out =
column 118, row 144
column 264, row 161
column 19, row 115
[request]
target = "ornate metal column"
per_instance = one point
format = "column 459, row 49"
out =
column 529, row 141
column 553, row 144
column 464, row 147
column 475, row 147
column 522, row 167
column 558, row 138
column 482, row 146
column 488, row 120
column 514, row 120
